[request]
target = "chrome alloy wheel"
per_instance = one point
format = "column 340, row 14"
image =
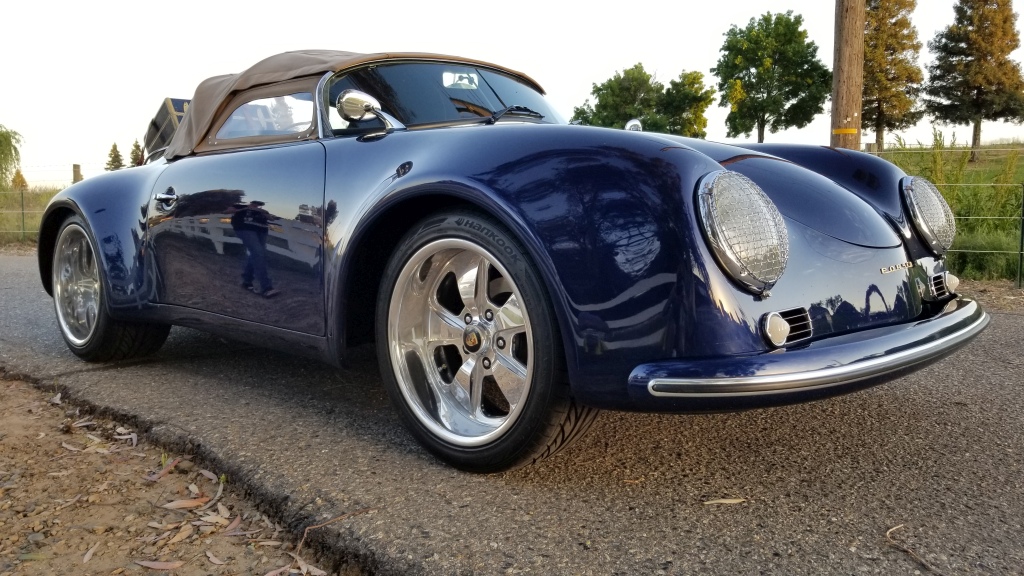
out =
column 460, row 342
column 76, row 285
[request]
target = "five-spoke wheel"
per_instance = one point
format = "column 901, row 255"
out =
column 469, row 349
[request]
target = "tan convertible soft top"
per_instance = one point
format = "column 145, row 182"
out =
column 213, row 93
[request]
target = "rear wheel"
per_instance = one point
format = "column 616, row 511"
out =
column 78, row 294
column 469, row 348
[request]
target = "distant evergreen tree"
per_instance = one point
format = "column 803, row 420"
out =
column 135, row 157
column 114, row 160
column 973, row 78
column 18, row 182
column 892, row 78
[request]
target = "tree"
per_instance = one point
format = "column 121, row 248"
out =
column 10, row 156
column 770, row 76
column 892, row 78
column 18, row 182
column 972, row 78
column 684, row 103
column 136, row 158
column 634, row 93
column 114, row 160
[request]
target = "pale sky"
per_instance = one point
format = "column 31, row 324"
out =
column 79, row 76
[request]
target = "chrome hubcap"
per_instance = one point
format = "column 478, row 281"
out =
column 76, row 285
column 460, row 342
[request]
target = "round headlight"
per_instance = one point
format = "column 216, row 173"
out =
column 744, row 229
column 930, row 213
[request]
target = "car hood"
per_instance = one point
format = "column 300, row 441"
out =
column 805, row 196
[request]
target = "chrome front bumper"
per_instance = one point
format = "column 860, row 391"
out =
column 820, row 369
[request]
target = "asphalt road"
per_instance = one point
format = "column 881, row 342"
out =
column 940, row 452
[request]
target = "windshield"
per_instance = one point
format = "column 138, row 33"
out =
column 430, row 93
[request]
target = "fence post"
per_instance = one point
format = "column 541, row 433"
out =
column 1020, row 253
column 23, row 215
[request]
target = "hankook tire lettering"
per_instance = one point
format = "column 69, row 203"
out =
column 490, row 234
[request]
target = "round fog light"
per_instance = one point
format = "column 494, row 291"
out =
column 776, row 329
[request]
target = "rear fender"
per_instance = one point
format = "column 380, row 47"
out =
column 115, row 208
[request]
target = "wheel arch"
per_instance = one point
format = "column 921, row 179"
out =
column 49, row 228
column 378, row 234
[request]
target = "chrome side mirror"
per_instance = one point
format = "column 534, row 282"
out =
column 356, row 106
column 634, row 125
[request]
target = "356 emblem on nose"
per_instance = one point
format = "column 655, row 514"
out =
column 896, row 267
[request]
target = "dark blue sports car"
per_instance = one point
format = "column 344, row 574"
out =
column 518, row 274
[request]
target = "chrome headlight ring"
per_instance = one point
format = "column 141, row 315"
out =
column 930, row 213
column 744, row 229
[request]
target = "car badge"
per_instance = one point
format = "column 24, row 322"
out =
column 896, row 267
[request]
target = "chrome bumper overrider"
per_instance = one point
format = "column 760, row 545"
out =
column 873, row 355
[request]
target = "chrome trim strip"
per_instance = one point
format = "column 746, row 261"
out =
column 323, row 119
column 783, row 383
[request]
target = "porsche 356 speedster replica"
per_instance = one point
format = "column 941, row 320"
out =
column 517, row 273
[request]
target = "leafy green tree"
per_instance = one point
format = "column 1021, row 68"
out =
column 10, row 156
column 18, row 182
column 770, row 76
column 634, row 93
column 135, row 157
column 973, row 78
column 114, row 160
column 892, row 78
column 684, row 103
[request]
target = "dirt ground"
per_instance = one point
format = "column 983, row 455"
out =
column 82, row 495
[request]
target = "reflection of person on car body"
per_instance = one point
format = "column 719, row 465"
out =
column 251, row 225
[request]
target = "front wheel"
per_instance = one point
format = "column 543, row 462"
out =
column 469, row 347
column 78, row 294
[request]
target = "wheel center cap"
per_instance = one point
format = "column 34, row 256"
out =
column 472, row 339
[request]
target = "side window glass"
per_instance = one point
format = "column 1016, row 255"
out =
column 274, row 116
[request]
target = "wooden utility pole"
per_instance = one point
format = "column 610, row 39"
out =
column 848, row 73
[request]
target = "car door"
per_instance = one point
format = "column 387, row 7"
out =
column 238, row 229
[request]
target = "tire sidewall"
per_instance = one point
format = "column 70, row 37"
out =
column 514, row 445
column 95, row 340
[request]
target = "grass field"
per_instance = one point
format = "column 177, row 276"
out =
column 20, row 213
column 985, row 195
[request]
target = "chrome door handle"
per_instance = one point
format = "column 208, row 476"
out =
column 169, row 197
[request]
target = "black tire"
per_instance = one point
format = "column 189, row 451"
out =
column 459, row 289
column 79, row 292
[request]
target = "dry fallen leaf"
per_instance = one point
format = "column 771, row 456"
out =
column 191, row 503
column 268, row 543
column 234, row 523
column 56, row 399
column 160, row 565
column 170, row 466
column 88, row 555
column 70, row 447
column 193, row 489
column 185, row 532
column 223, row 511
column 209, row 475
column 213, row 558
column 306, row 568
column 727, row 501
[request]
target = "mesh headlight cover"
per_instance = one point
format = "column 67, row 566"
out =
column 744, row 229
column 930, row 213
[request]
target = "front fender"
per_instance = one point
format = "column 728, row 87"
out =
column 602, row 214
column 114, row 206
